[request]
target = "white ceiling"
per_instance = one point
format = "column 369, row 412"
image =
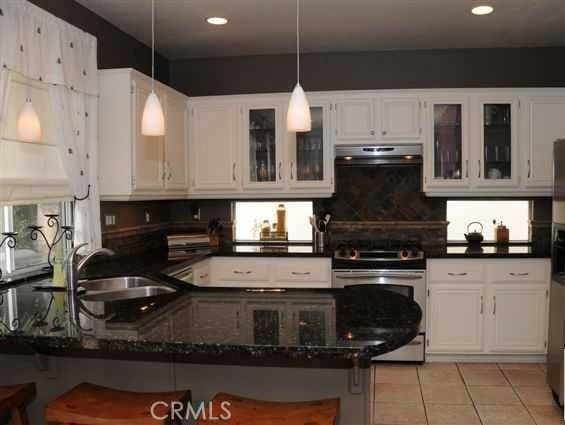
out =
column 267, row 26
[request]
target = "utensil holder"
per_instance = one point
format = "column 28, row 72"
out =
column 319, row 240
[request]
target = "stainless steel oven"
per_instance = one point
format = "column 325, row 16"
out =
column 407, row 282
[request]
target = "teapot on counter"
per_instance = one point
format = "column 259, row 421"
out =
column 474, row 236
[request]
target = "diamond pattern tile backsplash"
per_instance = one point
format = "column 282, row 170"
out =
column 381, row 194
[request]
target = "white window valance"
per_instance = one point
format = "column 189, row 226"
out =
column 55, row 64
column 43, row 47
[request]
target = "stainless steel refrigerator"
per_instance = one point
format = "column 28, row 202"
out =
column 556, row 343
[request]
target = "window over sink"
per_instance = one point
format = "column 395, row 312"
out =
column 513, row 214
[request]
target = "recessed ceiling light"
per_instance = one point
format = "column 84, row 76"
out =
column 482, row 10
column 216, row 20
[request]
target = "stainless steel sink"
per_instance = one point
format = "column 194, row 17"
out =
column 121, row 288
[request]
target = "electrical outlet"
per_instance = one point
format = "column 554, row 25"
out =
column 110, row 220
column 147, row 217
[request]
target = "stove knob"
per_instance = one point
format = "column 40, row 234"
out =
column 352, row 253
column 404, row 254
column 342, row 252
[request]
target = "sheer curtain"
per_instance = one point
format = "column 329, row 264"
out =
column 45, row 48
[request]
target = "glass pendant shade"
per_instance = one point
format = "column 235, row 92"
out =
column 29, row 126
column 153, row 119
column 298, row 117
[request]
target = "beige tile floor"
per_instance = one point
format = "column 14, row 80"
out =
column 463, row 394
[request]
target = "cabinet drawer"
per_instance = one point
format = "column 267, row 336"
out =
column 456, row 271
column 302, row 270
column 239, row 269
column 527, row 270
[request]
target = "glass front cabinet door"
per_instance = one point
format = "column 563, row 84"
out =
column 310, row 156
column 263, row 153
column 498, row 150
column 447, row 132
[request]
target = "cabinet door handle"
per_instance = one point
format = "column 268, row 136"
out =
column 169, row 176
column 233, row 171
column 457, row 274
column 479, row 168
column 482, row 304
column 372, row 132
column 519, row 274
column 267, row 290
column 237, row 320
column 203, row 276
column 384, row 132
column 494, row 304
column 240, row 272
column 466, row 168
column 280, row 170
column 529, row 168
column 292, row 170
column 300, row 273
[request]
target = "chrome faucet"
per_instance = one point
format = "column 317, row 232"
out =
column 74, row 267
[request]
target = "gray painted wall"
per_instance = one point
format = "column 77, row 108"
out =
column 528, row 67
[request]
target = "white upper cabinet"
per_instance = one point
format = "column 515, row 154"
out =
column 400, row 119
column 446, row 157
column 543, row 119
column 133, row 166
column 263, row 140
column 310, row 154
column 148, row 152
column 355, row 120
column 176, row 144
column 239, row 147
column 494, row 124
column 214, row 147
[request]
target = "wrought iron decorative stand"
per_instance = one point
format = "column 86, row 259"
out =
column 60, row 233
column 10, row 239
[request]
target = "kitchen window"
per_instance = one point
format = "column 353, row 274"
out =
column 30, row 256
column 250, row 217
column 513, row 214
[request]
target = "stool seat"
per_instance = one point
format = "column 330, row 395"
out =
column 89, row 404
column 247, row 411
column 13, row 401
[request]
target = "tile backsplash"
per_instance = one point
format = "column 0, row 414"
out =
column 381, row 194
column 369, row 203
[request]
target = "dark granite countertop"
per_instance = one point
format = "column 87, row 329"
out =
column 292, row 327
column 517, row 250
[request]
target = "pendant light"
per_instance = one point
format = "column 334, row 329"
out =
column 153, row 119
column 28, row 125
column 298, row 117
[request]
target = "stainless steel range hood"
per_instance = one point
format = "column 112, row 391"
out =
column 378, row 155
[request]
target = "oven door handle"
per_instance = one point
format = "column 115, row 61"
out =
column 373, row 276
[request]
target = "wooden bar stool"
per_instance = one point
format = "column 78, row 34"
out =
column 14, row 400
column 247, row 411
column 89, row 404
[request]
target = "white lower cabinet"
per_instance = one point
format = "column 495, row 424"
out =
column 518, row 319
column 504, row 311
column 455, row 318
column 272, row 272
